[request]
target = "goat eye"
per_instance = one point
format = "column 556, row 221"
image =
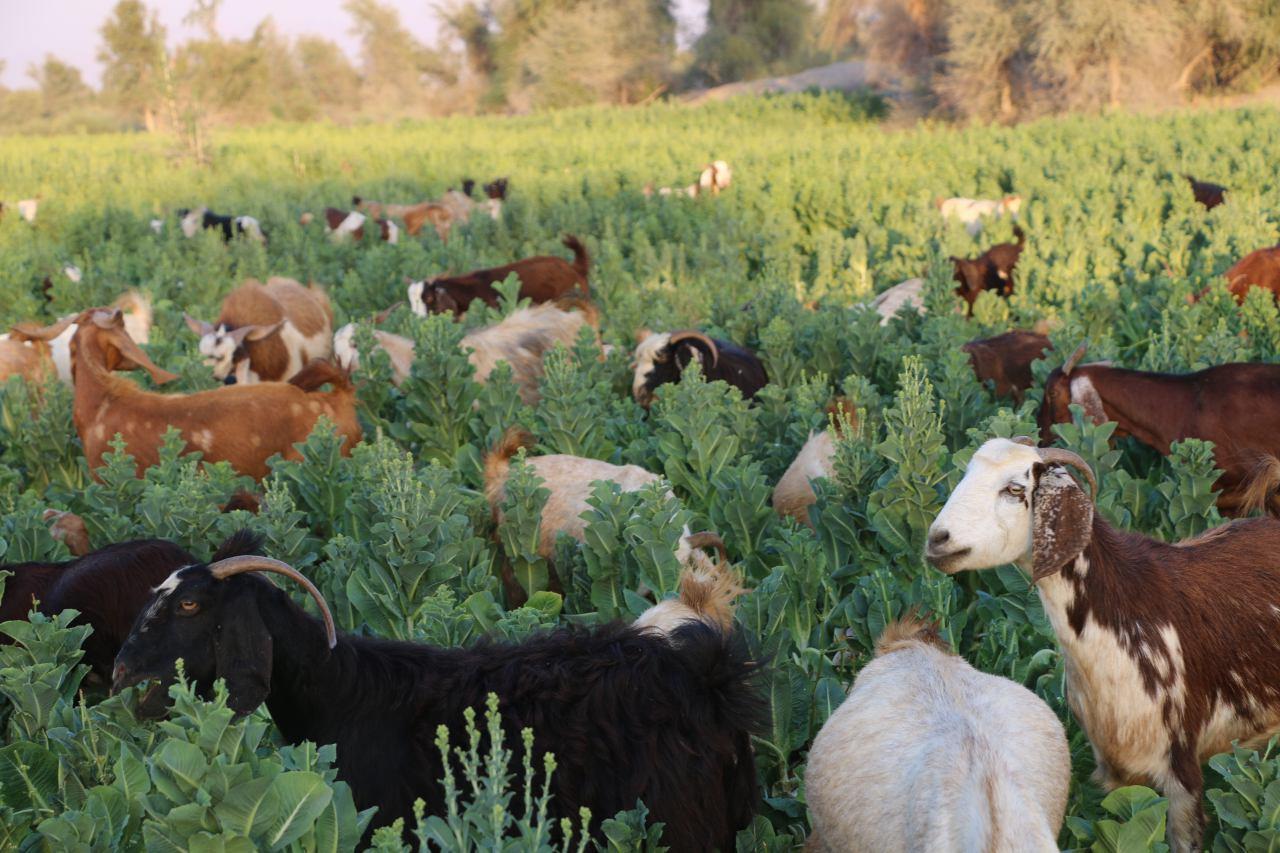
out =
column 188, row 606
column 1016, row 490
column 661, row 358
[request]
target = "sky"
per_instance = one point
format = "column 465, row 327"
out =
column 69, row 28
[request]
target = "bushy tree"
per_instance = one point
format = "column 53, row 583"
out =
column 745, row 39
column 131, row 53
column 61, row 86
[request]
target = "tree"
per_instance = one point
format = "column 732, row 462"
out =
column 745, row 39
column 987, row 40
column 328, row 77
column 132, row 51
column 61, row 86
column 397, row 68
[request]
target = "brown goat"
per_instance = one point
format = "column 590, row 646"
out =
column 1209, row 195
column 1006, row 360
column 542, row 278
column 241, row 424
column 992, row 270
column 1260, row 268
column 1232, row 405
column 344, row 224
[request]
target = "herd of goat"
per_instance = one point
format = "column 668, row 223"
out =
column 1172, row 651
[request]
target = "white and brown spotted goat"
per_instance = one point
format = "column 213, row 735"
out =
column 266, row 332
column 1172, row 651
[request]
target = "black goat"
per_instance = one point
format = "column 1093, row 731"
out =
column 108, row 587
column 662, row 358
column 496, row 189
column 628, row 714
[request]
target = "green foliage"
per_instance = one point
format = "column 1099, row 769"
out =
column 1138, row 827
column 1248, row 809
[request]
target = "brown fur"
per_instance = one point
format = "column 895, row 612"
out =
column 1207, row 194
column 1233, row 405
column 1005, row 360
column 992, row 270
column 334, row 217
column 69, row 529
column 277, row 301
column 907, row 631
column 711, row 594
column 241, row 424
column 28, row 360
column 1256, row 269
column 497, row 462
column 542, row 279
column 438, row 215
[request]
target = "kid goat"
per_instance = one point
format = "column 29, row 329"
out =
column 1172, row 651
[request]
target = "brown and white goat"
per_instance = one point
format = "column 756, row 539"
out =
column 1236, row 406
column 992, row 270
column 266, row 332
column 1172, row 652
column 243, row 425
column 542, row 278
column 18, row 348
column 794, row 494
column 1005, row 360
column 344, row 225
column 978, row 762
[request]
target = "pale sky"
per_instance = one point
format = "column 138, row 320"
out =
column 69, row 28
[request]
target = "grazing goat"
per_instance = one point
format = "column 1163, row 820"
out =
column 521, row 340
column 661, row 358
column 978, row 762
column 108, row 586
column 69, row 529
column 716, row 176
column 243, row 425
column 1231, row 405
column 707, row 592
column 266, row 332
column 1171, row 651
column 135, row 307
column 793, row 495
column 992, row 270
column 1259, row 268
column 195, row 221
column 343, row 225
column 1209, row 195
column 27, row 208
column 542, row 278
column 905, row 294
column 629, row 714
column 973, row 211
column 1005, row 360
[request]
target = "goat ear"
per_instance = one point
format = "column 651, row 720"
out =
column 243, row 650
column 257, row 333
column 199, row 327
column 1062, row 521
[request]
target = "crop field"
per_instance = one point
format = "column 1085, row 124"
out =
column 826, row 209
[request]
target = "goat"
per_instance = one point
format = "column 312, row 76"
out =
column 27, row 208
column 69, row 529
column 1005, row 360
column 1171, row 651
column 973, row 211
column 661, row 358
column 343, row 225
column 979, row 762
column 1260, row 268
column 715, row 176
column 1230, row 405
column 706, row 592
column 1207, row 194
column 135, row 308
column 108, row 587
column 201, row 218
column 243, row 425
column 542, row 278
column 905, row 294
column 793, row 495
column 266, row 332
column 992, row 270
column 496, row 189
column 629, row 714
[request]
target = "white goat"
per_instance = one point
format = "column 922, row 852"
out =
column 929, row 754
column 972, row 211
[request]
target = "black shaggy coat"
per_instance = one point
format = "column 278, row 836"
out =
column 629, row 716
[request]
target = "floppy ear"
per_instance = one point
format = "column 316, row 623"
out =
column 1061, row 521
column 243, row 651
column 257, row 333
column 199, row 327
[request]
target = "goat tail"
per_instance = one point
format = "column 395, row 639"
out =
column 319, row 371
column 581, row 258
column 907, row 631
column 1019, row 235
column 576, row 299
column 711, row 594
column 498, row 460
column 1260, row 484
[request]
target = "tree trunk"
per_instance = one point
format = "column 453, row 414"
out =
column 1113, row 81
column 149, row 119
column 1184, row 79
column 1007, row 110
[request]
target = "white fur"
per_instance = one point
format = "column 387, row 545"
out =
column 416, row 303
column 973, row 211
column 928, row 754
column 157, row 225
column 73, row 273
column 192, row 222
column 250, row 228
column 645, row 357
column 1083, row 392
column 27, row 208
column 715, row 177
column 397, row 347
column 980, row 516
column 393, row 233
column 906, row 294
column 347, row 227
column 218, row 350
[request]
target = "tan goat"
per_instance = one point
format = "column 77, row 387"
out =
column 243, row 425
column 266, row 332
column 794, row 494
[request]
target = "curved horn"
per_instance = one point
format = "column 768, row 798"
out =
column 1071, row 362
column 224, row 569
column 707, row 539
column 677, row 337
column 1058, row 456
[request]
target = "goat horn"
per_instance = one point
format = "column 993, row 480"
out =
column 707, row 539
column 677, row 337
column 1025, row 440
column 224, row 569
column 1058, row 456
column 1071, row 362
column 381, row 316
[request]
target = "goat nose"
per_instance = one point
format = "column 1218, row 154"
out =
column 117, row 676
column 230, row 380
column 938, row 538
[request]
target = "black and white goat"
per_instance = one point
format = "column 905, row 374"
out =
column 629, row 713
column 661, row 358
column 1172, row 651
column 194, row 221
